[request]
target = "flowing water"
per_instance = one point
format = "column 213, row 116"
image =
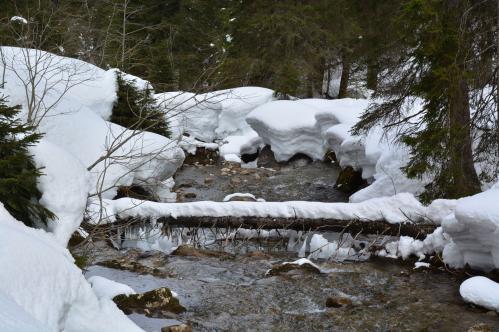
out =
column 232, row 291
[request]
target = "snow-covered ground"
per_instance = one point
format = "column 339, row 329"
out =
column 82, row 153
column 42, row 290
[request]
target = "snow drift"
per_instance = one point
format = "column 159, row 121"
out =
column 42, row 288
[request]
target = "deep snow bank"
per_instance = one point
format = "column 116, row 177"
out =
column 474, row 228
column 49, row 291
column 215, row 116
column 70, row 104
column 313, row 126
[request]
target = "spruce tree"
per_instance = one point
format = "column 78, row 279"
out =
column 438, row 65
column 137, row 110
column 18, row 173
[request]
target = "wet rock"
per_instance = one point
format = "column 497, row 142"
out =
column 190, row 195
column 187, row 250
column 235, row 180
column 241, row 198
column 202, row 156
column 338, row 302
column 208, row 180
column 287, row 267
column 350, row 180
column 480, row 327
column 158, row 303
column 177, row 328
column 129, row 265
column 300, row 160
column 267, row 159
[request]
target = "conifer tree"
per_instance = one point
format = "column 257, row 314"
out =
column 18, row 173
column 137, row 110
column 438, row 66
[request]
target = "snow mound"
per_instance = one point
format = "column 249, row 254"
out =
column 211, row 116
column 65, row 185
column 289, row 128
column 481, row 291
column 75, row 99
column 108, row 289
column 39, row 276
column 474, row 231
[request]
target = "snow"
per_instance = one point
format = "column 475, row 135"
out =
column 481, row 291
column 419, row 265
column 248, row 195
column 393, row 209
column 314, row 126
column 108, row 289
column 77, row 133
column 211, row 116
column 320, row 247
column 39, row 276
column 19, row 19
column 13, row 318
column 474, row 230
column 65, row 185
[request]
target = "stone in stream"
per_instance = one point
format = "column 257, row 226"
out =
column 177, row 328
column 267, row 159
column 187, row 250
column 303, row 265
column 338, row 302
column 132, row 266
column 158, row 303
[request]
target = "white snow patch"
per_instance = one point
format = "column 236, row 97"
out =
column 481, row 291
column 108, row 289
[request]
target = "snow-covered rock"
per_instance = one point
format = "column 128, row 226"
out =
column 481, row 291
column 474, row 229
column 108, row 289
column 289, row 128
column 49, row 291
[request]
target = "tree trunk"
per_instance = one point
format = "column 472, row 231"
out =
column 416, row 230
column 464, row 180
column 497, row 79
column 372, row 75
column 345, row 77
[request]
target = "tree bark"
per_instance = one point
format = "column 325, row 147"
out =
column 418, row 231
column 372, row 75
column 345, row 77
column 464, row 180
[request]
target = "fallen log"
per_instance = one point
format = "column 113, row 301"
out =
column 379, row 227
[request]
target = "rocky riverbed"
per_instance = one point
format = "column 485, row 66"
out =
column 232, row 290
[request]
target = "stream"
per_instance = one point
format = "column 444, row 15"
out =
column 229, row 289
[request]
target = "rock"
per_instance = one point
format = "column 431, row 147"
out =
column 202, row 156
column 267, row 159
column 157, row 303
column 129, row 265
column 257, row 177
column 350, row 180
column 242, row 199
column 208, row 180
column 287, row 267
column 480, row 327
column 300, row 160
column 190, row 195
column 177, row 328
column 338, row 302
column 235, row 180
column 187, row 250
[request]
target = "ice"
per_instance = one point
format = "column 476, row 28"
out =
column 481, row 291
